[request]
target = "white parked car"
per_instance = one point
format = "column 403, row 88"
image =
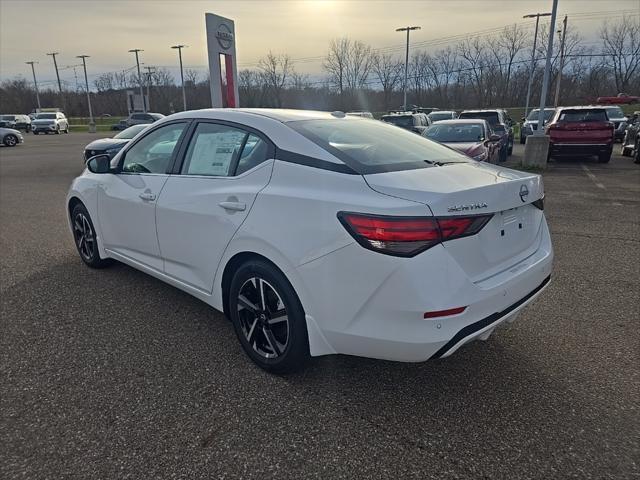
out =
column 50, row 122
column 319, row 233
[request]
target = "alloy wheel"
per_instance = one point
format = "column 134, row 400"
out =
column 10, row 141
column 263, row 318
column 85, row 239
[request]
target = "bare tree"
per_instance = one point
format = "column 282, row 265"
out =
column 506, row 48
column 348, row 64
column 474, row 61
column 251, row 88
column 104, row 82
column 276, row 70
column 388, row 71
column 191, row 76
column 621, row 50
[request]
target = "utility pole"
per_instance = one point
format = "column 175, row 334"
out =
column 533, row 57
column 92, row 124
column 184, row 95
column 547, row 68
column 33, row 70
column 150, row 71
column 562, row 43
column 55, row 64
column 144, row 103
column 406, row 63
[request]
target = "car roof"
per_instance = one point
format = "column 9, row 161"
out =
column 586, row 107
column 442, row 111
column 278, row 114
column 490, row 110
column 456, row 121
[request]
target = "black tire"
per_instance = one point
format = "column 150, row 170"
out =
column 275, row 345
column 636, row 155
column 626, row 152
column 523, row 140
column 58, row 130
column 85, row 238
column 35, row 132
column 604, row 157
column 10, row 140
column 510, row 149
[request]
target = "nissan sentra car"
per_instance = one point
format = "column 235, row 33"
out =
column 319, row 233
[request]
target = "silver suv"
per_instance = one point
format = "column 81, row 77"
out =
column 50, row 122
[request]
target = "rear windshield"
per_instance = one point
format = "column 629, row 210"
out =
column 373, row 147
column 583, row 115
column 435, row 116
column 491, row 117
column 533, row 115
column 129, row 133
column 399, row 120
column 8, row 117
column 614, row 112
column 457, row 132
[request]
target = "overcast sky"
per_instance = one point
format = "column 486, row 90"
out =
column 301, row 28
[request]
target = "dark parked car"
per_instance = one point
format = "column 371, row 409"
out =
column 500, row 123
column 530, row 124
column 121, row 125
column 581, row 131
column 16, row 122
column 631, row 140
column 416, row 122
column 474, row 138
column 111, row 146
column 618, row 118
column 143, row 118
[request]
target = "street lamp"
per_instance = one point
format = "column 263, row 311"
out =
column 533, row 55
column 33, row 70
column 144, row 103
column 92, row 125
column 406, row 62
column 184, row 95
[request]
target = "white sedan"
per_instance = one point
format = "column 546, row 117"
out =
column 319, row 233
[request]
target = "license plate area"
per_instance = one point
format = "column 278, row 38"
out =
column 513, row 222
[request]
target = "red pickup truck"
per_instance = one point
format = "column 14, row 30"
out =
column 581, row 131
column 620, row 99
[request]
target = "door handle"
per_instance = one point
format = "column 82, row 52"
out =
column 233, row 206
column 147, row 196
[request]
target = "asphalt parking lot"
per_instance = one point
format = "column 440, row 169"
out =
column 113, row 374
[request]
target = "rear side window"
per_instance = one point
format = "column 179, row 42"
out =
column 213, row 150
column 405, row 121
column 373, row 147
column 255, row 152
column 583, row 115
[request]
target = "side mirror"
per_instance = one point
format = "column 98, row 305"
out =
column 99, row 164
column 494, row 138
column 523, row 119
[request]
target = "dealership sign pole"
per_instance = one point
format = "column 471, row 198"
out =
column 223, row 68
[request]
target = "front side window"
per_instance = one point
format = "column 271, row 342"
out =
column 213, row 150
column 373, row 147
column 153, row 153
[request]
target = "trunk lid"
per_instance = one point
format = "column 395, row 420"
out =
column 476, row 188
column 581, row 132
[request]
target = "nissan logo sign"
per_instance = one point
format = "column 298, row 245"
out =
column 524, row 193
column 224, row 36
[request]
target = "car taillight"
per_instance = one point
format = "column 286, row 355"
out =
column 408, row 236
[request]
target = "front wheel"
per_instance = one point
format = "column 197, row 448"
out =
column 58, row 130
column 10, row 140
column 268, row 318
column 503, row 154
column 510, row 149
column 85, row 238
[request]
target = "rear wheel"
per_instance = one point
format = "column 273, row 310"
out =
column 523, row 140
column 58, row 130
column 604, row 157
column 35, row 132
column 636, row 156
column 503, row 154
column 10, row 140
column 85, row 238
column 268, row 318
column 510, row 149
column 626, row 151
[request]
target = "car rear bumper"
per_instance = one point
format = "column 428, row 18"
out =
column 580, row 148
column 381, row 314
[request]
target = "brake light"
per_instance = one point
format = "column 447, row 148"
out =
column 408, row 236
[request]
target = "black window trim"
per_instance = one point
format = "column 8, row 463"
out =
column 181, row 141
column 181, row 156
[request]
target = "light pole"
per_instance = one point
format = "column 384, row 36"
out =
column 144, row 103
column 533, row 56
column 33, row 70
column 184, row 95
column 545, row 79
column 150, row 71
column 406, row 63
column 92, row 125
column 562, row 43
column 55, row 65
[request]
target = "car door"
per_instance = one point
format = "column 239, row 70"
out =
column 127, row 199
column 203, row 205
